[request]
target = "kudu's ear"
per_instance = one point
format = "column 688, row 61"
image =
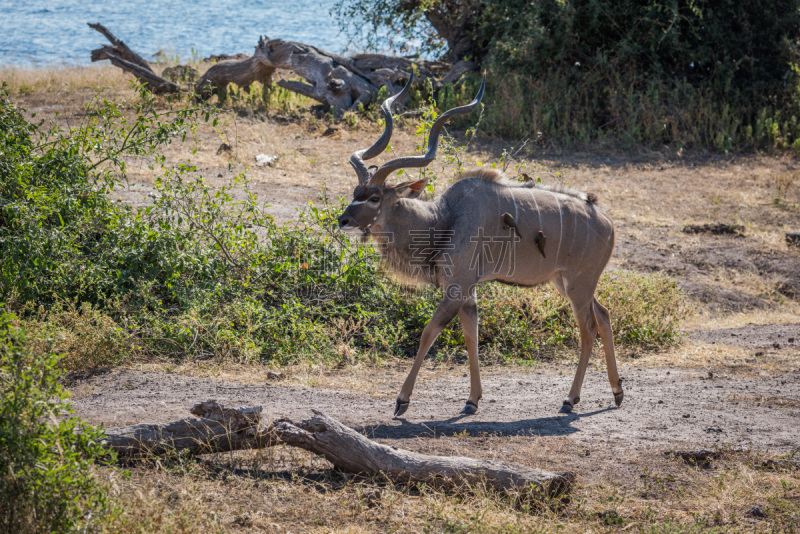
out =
column 412, row 189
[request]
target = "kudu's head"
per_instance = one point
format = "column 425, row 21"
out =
column 372, row 197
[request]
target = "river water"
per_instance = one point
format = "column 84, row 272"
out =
column 54, row 32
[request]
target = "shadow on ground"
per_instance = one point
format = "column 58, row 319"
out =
column 541, row 426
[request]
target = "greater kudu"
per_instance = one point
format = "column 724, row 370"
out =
column 484, row 228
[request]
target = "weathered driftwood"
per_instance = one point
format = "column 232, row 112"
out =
column 340, row 82
column 123, row 57
column 221, row 429
column 242, row 72
column 218, row 429
column 118, row 48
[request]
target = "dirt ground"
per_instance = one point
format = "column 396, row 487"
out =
column 662, row 409
column 733, row 382
column 621, row 456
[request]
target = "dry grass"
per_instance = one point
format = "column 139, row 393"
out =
column 282, row 490
column 648, row 189
column 786, row 313
column 57, row 83
column 731, row 359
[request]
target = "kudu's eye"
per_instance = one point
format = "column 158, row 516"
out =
column 375, row 198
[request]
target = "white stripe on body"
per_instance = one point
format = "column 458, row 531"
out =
column 586, row 244
column 538, row 213
column 560, row 227
column 515, row 204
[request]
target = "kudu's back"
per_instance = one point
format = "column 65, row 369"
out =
column 554, row 232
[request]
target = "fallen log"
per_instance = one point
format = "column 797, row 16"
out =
column 220, row 429
column 242, row 72
column 340, row 82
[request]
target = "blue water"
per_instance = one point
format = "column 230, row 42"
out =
column 47, row 32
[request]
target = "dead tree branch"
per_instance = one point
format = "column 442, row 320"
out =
column 337, row 81
column 123, row 57
column 221, row 429
column 119, row 48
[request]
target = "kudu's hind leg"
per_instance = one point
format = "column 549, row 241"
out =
column 604, row 322
column 469, row 326
column 584, row 315
column 445, row 312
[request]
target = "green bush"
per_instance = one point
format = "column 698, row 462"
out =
column 720, row 74
column 46, row 457
column 61, row 236
column 717, row 74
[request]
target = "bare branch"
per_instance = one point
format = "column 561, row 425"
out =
column 222, row 429
column 337, row 81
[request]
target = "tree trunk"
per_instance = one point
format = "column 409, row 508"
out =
column 339, row 82
column 221, row 429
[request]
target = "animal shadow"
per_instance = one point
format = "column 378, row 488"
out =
column 560, row 425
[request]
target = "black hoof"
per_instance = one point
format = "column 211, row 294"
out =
column 469, row 408
column 400, row 407
column 618, row 398
column 566, row 407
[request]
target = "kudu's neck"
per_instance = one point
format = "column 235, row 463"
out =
column 406, row 216
column 407, row 235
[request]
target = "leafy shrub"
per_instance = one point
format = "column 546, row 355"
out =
column 646, row 309
column 720, row 74
column 46, row 482
column 61, row 236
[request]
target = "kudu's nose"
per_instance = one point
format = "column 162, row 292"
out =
column 343, row 220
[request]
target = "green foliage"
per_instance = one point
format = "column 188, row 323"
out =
column 646, row 309
column 374, row 23
column 520, row 323
column 270, row 98
column 720, row 74
column 46, row 457
column 734, row 46
column 61, row 237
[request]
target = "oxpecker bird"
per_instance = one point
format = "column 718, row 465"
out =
column 540, row 241
column 509, row 221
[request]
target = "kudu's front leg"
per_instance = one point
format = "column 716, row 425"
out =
column 444, row 313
